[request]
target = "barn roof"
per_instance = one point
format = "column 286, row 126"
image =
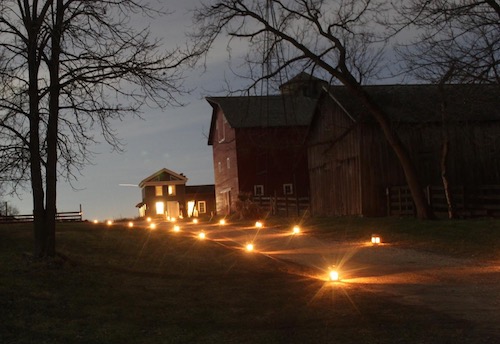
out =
column 265, row 111
column 422, row 103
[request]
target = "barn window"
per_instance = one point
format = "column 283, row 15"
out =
column 258, row 190
column 287, row 189
column 221, row 129
column 158, row 190
column 171, row 190
column 202, row 207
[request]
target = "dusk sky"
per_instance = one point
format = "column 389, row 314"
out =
column 174, row 138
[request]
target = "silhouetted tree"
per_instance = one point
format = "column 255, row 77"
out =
column 69, row 67
column 341, row 39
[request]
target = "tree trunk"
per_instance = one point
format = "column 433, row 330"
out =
column 52, row 131
column 34, row 144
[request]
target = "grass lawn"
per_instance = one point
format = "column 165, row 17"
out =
column 120, row 285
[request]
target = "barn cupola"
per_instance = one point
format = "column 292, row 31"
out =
column 304, row 85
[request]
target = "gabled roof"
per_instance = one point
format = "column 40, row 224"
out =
column 163, row 177
column 422, row 103
column 263, row 111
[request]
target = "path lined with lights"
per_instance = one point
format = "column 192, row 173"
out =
column 457, row 287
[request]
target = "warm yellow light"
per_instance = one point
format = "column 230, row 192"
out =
column 296, row 230
column 109, row 222
column 258, row 224
column 152, row 226
column 148, row 219
column 195, row 221
column 96, row 221
column 173, row 219
column 222, row 222
column 131, row 224
column 177, row 228
column 201, row 235
column 333, row 275
column 376, row 239
column 249, row 247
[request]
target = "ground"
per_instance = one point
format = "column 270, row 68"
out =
column 462, row 288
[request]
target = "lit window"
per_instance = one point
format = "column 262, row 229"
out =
column 160, row 208
column 171, row 190
column 287, row 189
column 228, row 162
column 202, row 207
column 258, row 190
column 158, row 190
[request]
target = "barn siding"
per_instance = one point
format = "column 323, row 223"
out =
column 272, row 157
column 351, row 177
column 334, row 165
column 226, row 177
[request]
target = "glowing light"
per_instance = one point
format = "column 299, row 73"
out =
column 376, row 239
column 131, row 224
column 109, row 222
column 333, row 275
column 173, row 219
column 222, row 222
column 148, row 219
column 152, row 226
column 201, row 235
column 177, row 229
column 258, row 224
column 296, row 230
column 96, row 221
column 249, row 247
column 195, row 221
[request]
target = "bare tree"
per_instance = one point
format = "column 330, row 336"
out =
column 462, row 35
column 338, row 38
column 456, row 42
column 70, row 67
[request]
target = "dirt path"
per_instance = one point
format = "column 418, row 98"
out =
column 461, row 288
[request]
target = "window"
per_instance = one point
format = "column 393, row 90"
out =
column 202, row 207
column 220, row 166
column 258, row 190
column 228, row 163
column 287, row 189
column 221, row 128
column 158, row 190
column 160, row 208
column 171, row 190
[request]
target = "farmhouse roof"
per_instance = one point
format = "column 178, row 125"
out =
column 422, row 103
column 163, row 177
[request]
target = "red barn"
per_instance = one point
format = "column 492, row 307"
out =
column 259, row 143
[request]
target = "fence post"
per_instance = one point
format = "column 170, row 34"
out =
column 388, row 200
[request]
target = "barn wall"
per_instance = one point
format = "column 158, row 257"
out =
column 225, row 167
column 272, row 157
column 334, row 163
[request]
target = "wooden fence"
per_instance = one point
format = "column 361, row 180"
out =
column 467, row 201
column 283, row 206
column 66, row 216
